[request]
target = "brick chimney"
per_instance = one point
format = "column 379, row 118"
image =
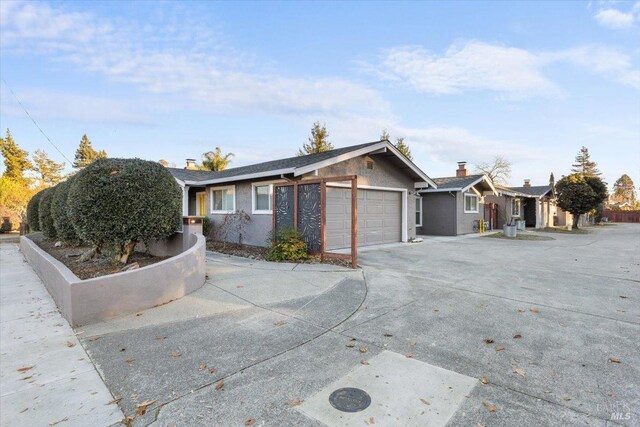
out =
column 462, row 170
column 527, row 183
column 191, row 164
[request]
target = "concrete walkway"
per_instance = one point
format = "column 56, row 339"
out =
column 46, row 377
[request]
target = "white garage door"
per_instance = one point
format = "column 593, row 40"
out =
column 379, row 217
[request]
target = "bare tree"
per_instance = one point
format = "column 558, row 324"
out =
column 499, row 170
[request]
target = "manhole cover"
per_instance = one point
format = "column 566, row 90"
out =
column 350, row 399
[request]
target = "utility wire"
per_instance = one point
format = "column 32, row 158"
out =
column 35, row 123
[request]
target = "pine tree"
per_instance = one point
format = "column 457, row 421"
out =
column 16, row 160
column 403, row 148
column 86, row 154
column 584, row 165
column 624, row 191
column 49, row 172
column 318, row 141
column 400, row 144
column 215, row 160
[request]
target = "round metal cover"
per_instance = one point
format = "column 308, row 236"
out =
column 350, row 399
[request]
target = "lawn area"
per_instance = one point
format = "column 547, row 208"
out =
column 519, row 236
column 561, row 230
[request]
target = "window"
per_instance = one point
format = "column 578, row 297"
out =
column 419, row 211
column 223, row 199
column 515, row 207
column 262, row 197
column 470, row 203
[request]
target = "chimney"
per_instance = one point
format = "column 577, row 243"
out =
column 462, row 170
column 527, row 183
column 191, row 164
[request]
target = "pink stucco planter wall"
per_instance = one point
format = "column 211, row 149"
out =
column 88, row 301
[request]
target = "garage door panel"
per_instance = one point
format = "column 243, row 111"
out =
column 379, row 217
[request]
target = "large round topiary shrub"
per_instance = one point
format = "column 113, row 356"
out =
column 45, row 220
column 120, row 202
column 33, row 218
column 61, row 219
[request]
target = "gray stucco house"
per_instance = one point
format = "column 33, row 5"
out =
column 533, row 204
column 454, row 205
column 388, row 184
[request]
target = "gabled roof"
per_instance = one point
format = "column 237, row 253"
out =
column 460, row 183
column 298, row 165
column 533, row 191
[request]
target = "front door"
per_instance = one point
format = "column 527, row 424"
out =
column 201, row 204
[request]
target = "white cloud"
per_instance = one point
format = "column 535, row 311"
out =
column 188, row 67
column 509, row 71
column 471, row 66
column 616, row 19
column 47, row 105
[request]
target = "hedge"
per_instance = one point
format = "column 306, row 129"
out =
column 123, row 201
column 32, row 212
column 61, row 220
column 45, row 220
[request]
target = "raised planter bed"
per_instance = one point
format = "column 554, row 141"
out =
column 105, row 297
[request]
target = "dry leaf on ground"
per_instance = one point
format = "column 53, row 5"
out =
column 250, row 422
column 219, row 385
column 613, row 360
column 425, row 401
column 533, row 310
column 488, row 341
column 202, row 366
column 484, row 380
column 141, row 408
column 499, row 348
column 212, row 370
column 364, row 362
column 25, row 368
column 362, row 349
column 350, row 345
column 520, row 371
column 387, row 334
column 52, row 423
column 296, row 402
column 24, row 410
column 176, row 354
column 160, row 337
column 70, row 344
column 567, row 398
column 517, row 336
column 112, row 401
column 130, row 360
column 409, row 355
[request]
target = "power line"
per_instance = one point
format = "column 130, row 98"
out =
column 36, row 123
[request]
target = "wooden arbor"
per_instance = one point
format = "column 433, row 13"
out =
column 302, row 205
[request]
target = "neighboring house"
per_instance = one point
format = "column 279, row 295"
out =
column 533, row 204
column 455, row 205
column 387, row 188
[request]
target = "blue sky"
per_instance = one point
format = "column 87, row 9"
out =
column 531, row 81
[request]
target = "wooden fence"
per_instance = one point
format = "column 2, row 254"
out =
column 621, row 216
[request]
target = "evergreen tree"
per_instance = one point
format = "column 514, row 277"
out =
column 215, row 160
column 86, row 154
column 318, row 141
column 403, row 148
column 49, row 172
column 584, row 165
column 16, row 160
column 624, row 191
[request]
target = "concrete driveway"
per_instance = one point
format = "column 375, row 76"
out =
column 551, row 327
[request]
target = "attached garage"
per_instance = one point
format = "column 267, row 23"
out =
column 379, row 217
